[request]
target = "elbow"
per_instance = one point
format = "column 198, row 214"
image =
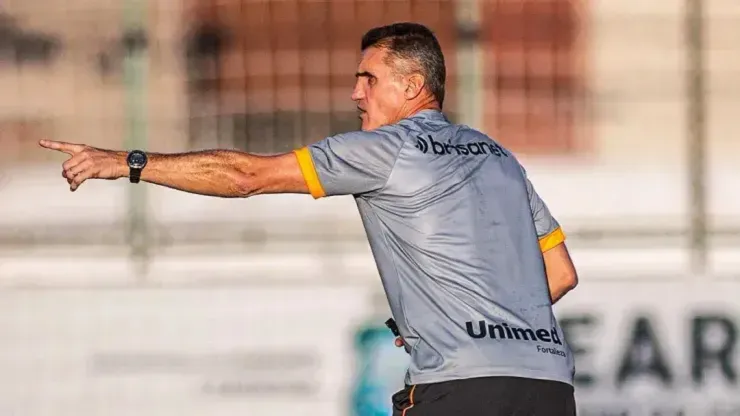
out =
column 570, row 280
column 244, row 184
column 245, row 179
column 253, row 176
column 562, row 285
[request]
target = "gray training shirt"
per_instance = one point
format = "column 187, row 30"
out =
column 457, row 232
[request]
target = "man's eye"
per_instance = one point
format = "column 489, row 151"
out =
column 372, row 81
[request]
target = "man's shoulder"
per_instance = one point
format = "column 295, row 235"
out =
column 391, row 134
column 386, row 142
column 387, row 135
column 467, row 131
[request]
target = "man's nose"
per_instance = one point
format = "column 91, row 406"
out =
column 357, row 94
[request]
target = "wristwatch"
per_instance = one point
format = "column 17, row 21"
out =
column 136, row 160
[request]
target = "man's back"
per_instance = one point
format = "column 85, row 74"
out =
column 449, row 217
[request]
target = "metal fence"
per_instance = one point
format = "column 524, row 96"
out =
column 583, row 91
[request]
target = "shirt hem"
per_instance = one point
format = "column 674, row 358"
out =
column 439, row 377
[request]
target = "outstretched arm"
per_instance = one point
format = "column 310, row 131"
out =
column 221, row 173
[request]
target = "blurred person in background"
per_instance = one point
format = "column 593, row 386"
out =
column 470, row 257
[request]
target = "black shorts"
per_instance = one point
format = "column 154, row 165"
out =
column 488, row 396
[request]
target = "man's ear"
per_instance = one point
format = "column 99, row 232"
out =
column 414, row 86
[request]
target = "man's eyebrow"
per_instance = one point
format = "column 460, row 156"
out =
column 364, row 74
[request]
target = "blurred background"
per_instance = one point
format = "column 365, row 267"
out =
column 139, row 300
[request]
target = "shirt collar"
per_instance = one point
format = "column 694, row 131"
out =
column 430, row 115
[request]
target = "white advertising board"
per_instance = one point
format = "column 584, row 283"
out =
column 662, row 348
column 177, row 352
column 642, row 348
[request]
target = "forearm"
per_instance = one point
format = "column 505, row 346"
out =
column 221, row 173
column 561, row 273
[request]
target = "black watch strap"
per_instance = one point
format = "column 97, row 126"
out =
column 134, row 175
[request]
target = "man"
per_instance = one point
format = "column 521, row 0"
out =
column 465, row 247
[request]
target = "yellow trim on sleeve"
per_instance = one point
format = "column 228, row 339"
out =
column 555, row 238
column 309, row 172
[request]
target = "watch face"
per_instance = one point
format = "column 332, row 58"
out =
column 137, row 159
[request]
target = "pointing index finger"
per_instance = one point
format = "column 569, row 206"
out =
column 68, row 148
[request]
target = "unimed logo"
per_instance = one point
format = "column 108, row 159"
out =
column 505, row 331
column 428, row 144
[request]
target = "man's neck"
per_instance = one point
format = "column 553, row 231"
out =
column 417, row 108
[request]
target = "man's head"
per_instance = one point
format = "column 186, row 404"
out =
column 402, row 71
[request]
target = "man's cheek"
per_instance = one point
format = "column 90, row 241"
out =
column 393, row 94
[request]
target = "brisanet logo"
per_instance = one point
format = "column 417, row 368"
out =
column 474, row 148
column 504, row 331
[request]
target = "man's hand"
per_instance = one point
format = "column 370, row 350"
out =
column 88, row 162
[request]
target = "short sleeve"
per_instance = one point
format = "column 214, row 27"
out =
column 549, row 232
column 349, row 163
